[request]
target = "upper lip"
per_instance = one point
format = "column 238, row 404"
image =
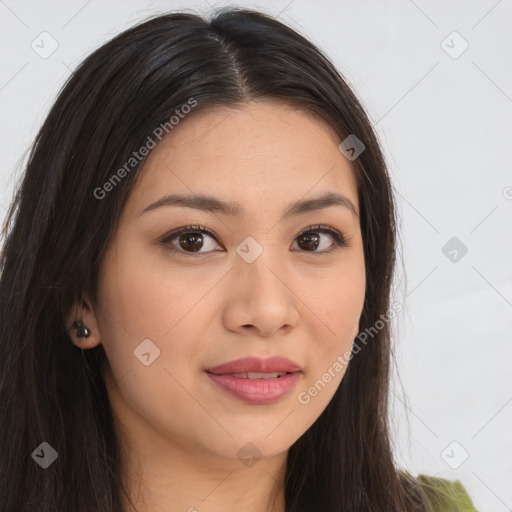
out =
column 256, row 364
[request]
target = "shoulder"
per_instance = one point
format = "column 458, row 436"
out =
column 445, row 495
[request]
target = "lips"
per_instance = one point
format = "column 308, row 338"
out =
column 275, row 364
column 256, row 381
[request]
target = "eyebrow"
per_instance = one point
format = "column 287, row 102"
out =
column 234, row 209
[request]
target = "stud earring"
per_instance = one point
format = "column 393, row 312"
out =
column 81, row 330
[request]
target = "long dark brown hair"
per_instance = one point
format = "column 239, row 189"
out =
column 57, row 231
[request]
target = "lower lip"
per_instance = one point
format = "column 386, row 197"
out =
column 256, row 391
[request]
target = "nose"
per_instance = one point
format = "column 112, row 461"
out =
column 262, row 300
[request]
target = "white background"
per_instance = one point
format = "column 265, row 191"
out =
column 445, row 125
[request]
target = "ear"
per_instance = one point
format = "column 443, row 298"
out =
column 83, row 310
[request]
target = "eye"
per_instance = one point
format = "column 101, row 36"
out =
column 191, row 239
column 310, row 239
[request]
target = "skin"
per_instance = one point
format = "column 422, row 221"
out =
column 179, row 432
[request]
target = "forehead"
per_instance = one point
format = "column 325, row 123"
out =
column 259, row 153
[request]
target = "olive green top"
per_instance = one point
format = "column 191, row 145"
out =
column 445, row 495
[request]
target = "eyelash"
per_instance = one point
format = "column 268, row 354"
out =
column 339, row 240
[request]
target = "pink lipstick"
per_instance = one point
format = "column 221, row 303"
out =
column 256, row 381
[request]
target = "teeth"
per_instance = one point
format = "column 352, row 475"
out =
column 257, row 375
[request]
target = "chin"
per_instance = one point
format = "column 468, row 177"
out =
column 250, row 447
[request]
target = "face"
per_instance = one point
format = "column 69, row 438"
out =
column 258, row 284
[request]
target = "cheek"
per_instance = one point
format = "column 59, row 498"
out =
column 339, row 301
column 339, row 307
column 147, row 293
column 148, row 298
column 142, row 302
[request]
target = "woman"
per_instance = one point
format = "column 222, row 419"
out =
column 204, row 226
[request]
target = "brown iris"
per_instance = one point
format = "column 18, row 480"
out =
column 191, row 241
column 308, row 238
